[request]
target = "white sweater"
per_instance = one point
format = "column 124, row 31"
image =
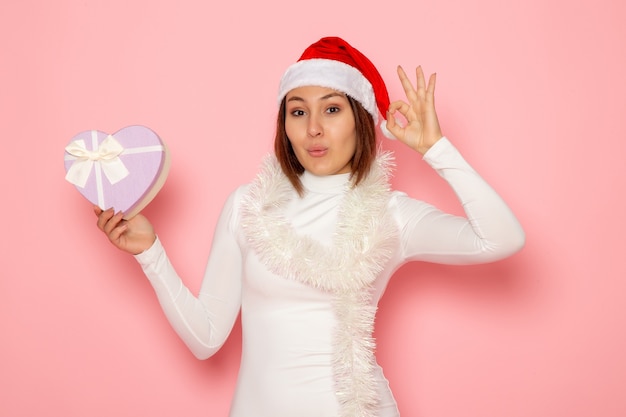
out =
column 286, row 367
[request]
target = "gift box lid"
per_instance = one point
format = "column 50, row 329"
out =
column 124, row 170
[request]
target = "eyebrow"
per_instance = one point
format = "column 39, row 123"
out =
column 326, row 97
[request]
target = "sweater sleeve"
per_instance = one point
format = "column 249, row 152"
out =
column 488, row 232
column 203, row 322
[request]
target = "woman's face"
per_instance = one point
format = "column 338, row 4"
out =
column 320, row 125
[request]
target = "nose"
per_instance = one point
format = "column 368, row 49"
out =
column 314, row 127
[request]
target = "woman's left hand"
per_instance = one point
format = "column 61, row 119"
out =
column 422, row 129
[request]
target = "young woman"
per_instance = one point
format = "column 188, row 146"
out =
column 306, row 250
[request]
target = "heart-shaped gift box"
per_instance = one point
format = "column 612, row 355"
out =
column 124, row 170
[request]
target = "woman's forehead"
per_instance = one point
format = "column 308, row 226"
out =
column 313, row 92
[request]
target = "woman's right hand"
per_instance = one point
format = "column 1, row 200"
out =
column 133, row 235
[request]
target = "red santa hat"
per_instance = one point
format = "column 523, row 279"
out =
column 333, row 63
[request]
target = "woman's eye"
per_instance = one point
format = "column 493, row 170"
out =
column 297, row 113
column 333, row 109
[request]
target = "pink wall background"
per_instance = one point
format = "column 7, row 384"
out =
column 533, row 93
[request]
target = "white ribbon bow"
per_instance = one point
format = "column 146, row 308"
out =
column 107, row 155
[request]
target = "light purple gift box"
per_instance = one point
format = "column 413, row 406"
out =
column 124, row 170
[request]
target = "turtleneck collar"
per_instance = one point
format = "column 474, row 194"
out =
column 326, row 184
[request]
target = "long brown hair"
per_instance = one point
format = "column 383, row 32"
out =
column 364, row 153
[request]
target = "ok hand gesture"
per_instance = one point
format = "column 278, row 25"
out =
column 422, row 129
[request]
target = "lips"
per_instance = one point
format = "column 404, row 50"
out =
column 317, row 151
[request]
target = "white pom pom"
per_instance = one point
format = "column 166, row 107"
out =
column 386, row 132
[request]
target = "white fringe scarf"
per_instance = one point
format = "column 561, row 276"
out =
column 363, row 243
